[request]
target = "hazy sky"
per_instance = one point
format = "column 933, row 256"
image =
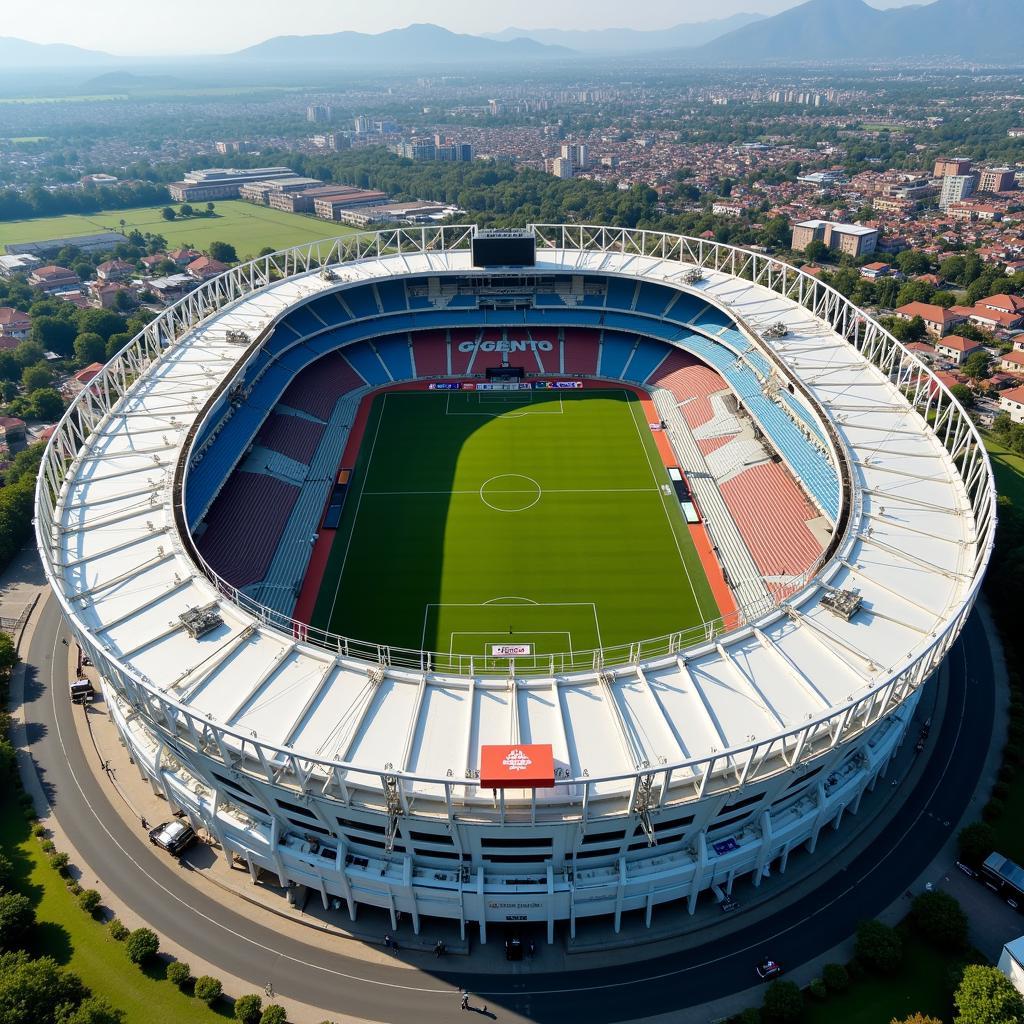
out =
column 218, row 26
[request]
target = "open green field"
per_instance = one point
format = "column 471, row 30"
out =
column 1008, row 467
column 247, row 227
column 529, row 518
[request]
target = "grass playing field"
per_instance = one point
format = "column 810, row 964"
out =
column 533, row 518
column 247, row 227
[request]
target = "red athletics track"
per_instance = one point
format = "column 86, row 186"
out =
column 322, row 548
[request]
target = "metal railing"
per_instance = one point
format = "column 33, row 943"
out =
column 921, row 388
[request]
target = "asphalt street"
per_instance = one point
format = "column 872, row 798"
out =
column 318, row 975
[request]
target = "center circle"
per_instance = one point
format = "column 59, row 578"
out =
column 510, row 492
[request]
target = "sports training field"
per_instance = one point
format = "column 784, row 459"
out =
column 537, row 518
column 247, row 227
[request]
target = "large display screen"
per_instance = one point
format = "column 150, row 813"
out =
column 504, row 249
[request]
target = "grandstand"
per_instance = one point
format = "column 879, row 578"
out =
column 686, row 759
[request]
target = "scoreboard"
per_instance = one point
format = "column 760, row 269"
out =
column 504, row 249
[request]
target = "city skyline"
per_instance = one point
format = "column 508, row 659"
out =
column 141, row 30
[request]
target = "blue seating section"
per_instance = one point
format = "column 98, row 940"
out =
column 653, row 299
column 802, row 413
column 615, row 350
column 361, row 301
column 713, row 319
column 392, row 296
column 646, row 357
column 620, row 293
column 303, row 322
column 329, row 309
column 394, row 350
column 548, row 299
column 685, row 308
column 368, row 366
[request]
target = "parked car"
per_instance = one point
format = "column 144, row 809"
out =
column 768, row 969
column 173, row 836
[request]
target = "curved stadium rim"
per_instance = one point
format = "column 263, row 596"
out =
column 924, row 391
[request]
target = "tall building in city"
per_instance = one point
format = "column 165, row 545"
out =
column 318, row 113
column 956, row 187
column 851, row 239
column 562, row 167
column 577, row 154
column 361, row 124
column 945, row 166
column 996, row 179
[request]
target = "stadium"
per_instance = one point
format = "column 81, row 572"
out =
column 514, row 576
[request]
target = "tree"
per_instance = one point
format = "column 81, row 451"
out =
column 912, row 262
column 28, row 353
column 8, row 659
column 975, row 842
column 186, row 210
column 223, row 251
column 178, row 973
column 986, row 996
column 17, row 915
column 274, row 1014
column 208, row 989
column 38, row 376
column 247, row 1009
column 53, row 334
column 210, row 208
column 914, row 291
column 31, row 990
column 90, row 348
column 815, row 251
column 836, row 977
column 103, row 322
column 91, row 1010
column 916, row 1018
column 45, row 404
column 783, row 1002
column 168, row 213
column 142, row 945
column 89, row 900
column 939, row 919
column 976, row 365
column 879, row 946
column 115, row 343
column 963, row 394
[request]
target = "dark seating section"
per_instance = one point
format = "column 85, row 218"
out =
column 318, row 387
column 294, row 436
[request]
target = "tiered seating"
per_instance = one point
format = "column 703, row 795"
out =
column 329, row 309
column 580, row 349
column 317, row 388
column 392, row 296
column 430, row 350
column 546, row 362
column 615, row 350
column 647, row 356
column 461, row 360
column 713, row 319
column 653, row 299
column 263, row 503
column 363, row 357
column 772, row 512
column 394, row 350
column 361, row 301
column 303, row 321
column 620, row 293
column 692, row 382
column 294, row 436
column 683, row 308
column 486, row 359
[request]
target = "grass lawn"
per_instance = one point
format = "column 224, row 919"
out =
column 526, row 517
column 71, row 937
column 1008, row 467
column 247, row 227
column 920, row 986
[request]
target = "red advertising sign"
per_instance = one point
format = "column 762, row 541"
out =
column 519, row 766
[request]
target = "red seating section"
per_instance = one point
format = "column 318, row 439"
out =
column 317, row 388
column 430, row 352
column 580, row 350
column 294, row 436
column 692, row 382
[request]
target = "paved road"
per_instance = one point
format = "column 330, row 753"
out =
column 160, row 894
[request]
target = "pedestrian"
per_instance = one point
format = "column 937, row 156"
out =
column 465, row 1000
column 145, row 824
column 388, row 941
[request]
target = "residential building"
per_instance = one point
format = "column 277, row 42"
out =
column 183, row 257
column 221, row 182
column 561, row 167
column 996, row 179
column 319, row 113
column 391, row 213
column 14, row 323
column 956, row 349
column 230, row 148
column 937, row 321
column 992, row 319
column 53, row 278
column 852, row 239
column 873, row 271
column 946, row 166
column 99, row 180
column 114, row 270
column 12, row 431
column 205, row 267
column 577, row 153
column 1012, row 362
column 723, row 208
column 17, row 264
column 172, row 287
column 956, row 187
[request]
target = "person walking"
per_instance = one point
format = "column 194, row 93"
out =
column 465, row 1000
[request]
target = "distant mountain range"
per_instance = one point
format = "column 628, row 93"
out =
column 415, row 43
column 629, row 40
column 826, row 30
column 818, row 31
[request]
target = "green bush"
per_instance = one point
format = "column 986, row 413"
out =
column 247, row 1009
column 47, row 846
column 274, row 1014
column 74, row 888
column 6, row 872
column 993, row 810
column 118, row 930
column 939, row 920
column 142, row 945
column 208, row 989
column 783, row 1002
column 818, row 989
column 975, row 843
column 39, row 829
column 836, row 977
column 89, row 900
column 879, row 947
column 986, row 996
column 60, row 862
column 17, row 915
column 178, row 973
column 751, row 1015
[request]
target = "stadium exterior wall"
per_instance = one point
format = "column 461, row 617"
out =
column 829, row 765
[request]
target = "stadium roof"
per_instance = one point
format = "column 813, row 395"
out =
column 910, row 552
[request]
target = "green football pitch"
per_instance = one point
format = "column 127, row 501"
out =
column 539, row 519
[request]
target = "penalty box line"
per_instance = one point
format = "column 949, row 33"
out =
column 496, row 634
column 487, row 604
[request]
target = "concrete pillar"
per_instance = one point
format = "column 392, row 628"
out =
column 620, row 893
column 784, row 860
column 551, row 904
column 766, row 846
column 339, row 865
column 698, row 875
column 650, row 909
column 483, row 905
column 407, row 882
